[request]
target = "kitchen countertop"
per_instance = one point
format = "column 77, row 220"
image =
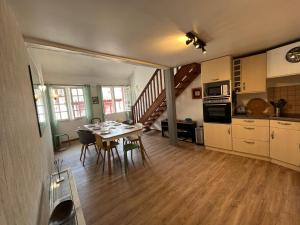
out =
column 264, row 117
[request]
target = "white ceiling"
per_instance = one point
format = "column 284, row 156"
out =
column 153, row 30
column 63, row 68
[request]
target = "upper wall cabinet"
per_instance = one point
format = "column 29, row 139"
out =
column 284, row 61
column 216, row 70
column 249, row 74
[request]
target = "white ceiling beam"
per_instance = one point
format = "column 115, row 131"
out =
column 37, row 43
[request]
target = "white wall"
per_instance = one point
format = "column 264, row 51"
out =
column 186, row 106
column 139, row 79
column 56, row 78
column 120, row 117
column 25, row 157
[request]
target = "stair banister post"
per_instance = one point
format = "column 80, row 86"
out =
column 171, row 104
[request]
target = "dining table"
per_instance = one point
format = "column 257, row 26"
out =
column 111, row 130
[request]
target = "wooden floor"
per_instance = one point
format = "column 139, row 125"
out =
column 186, row 185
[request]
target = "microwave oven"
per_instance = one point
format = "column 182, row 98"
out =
column 217, row 89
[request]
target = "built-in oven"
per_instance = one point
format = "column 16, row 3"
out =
column 217, row 111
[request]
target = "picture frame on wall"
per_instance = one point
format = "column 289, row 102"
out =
column 197, row 93
column 39, row 99
column 95, row 100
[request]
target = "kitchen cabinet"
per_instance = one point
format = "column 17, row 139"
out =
column 278, row 66
column 254, row 147
column 216, row 70
column 285, row 142
column 217, row 135
column 251, row 136
column 250, row 74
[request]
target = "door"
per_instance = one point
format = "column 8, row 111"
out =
column 285, row 145
column 254, row 73
column 217, row 135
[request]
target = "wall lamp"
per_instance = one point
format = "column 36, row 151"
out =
column 197, row 42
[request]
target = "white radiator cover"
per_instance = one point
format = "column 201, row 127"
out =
column 278, row 66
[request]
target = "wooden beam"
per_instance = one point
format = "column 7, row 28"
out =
column 37, row 43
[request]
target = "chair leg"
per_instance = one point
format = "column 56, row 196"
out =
column 96, row 148
column 126, row 162
column 112, row 154
column 99, row 154
column 81, row 151
column 69, row 140
column 146, row 154
column 103, row 166
column 85, row 148
column 118, row 156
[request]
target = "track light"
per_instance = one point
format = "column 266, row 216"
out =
column 190, row 37
column 197, row 42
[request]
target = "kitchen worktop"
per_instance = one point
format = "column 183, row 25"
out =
column 293, row 118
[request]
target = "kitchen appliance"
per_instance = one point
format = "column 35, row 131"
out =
column 217, row 110
column 241, row 110
column 217, row 89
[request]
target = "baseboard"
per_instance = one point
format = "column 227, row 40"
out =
column 284, row 164
column 66, row 142
column 277, row 162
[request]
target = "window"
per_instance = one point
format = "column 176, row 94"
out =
column 78, row 104
column 119, row 100
column 107, row 100
column 68, row 103
column 60, row 104
column 40, row 105
column 116, row 99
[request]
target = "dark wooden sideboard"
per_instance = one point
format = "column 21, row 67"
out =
column 185, row 129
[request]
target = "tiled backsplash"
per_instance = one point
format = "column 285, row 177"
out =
column 290, row 93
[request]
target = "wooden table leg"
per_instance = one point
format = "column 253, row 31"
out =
column 142, row 149
column 108, row 157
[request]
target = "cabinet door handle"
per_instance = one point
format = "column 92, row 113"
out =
column 228, row 130
column 249, row 121
column 272, row 134
column 215, row 79
column 249, row 128
column 249, row 142
column 281, row 123
column 244, row 86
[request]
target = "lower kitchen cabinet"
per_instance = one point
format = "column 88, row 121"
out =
column 285, row 145
column 253, row 147
column 251, row 136
column 217, row 135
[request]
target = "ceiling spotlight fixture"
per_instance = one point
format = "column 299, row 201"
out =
column 190, row 37
column 197, row 42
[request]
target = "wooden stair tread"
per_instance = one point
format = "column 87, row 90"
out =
column 182, row 79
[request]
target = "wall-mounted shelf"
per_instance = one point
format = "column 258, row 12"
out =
column 236, row 67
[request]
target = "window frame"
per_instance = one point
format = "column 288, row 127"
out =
column 66, row 104
column 72, row 102
column 113, row 98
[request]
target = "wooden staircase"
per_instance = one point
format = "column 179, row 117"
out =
column 152, row 101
